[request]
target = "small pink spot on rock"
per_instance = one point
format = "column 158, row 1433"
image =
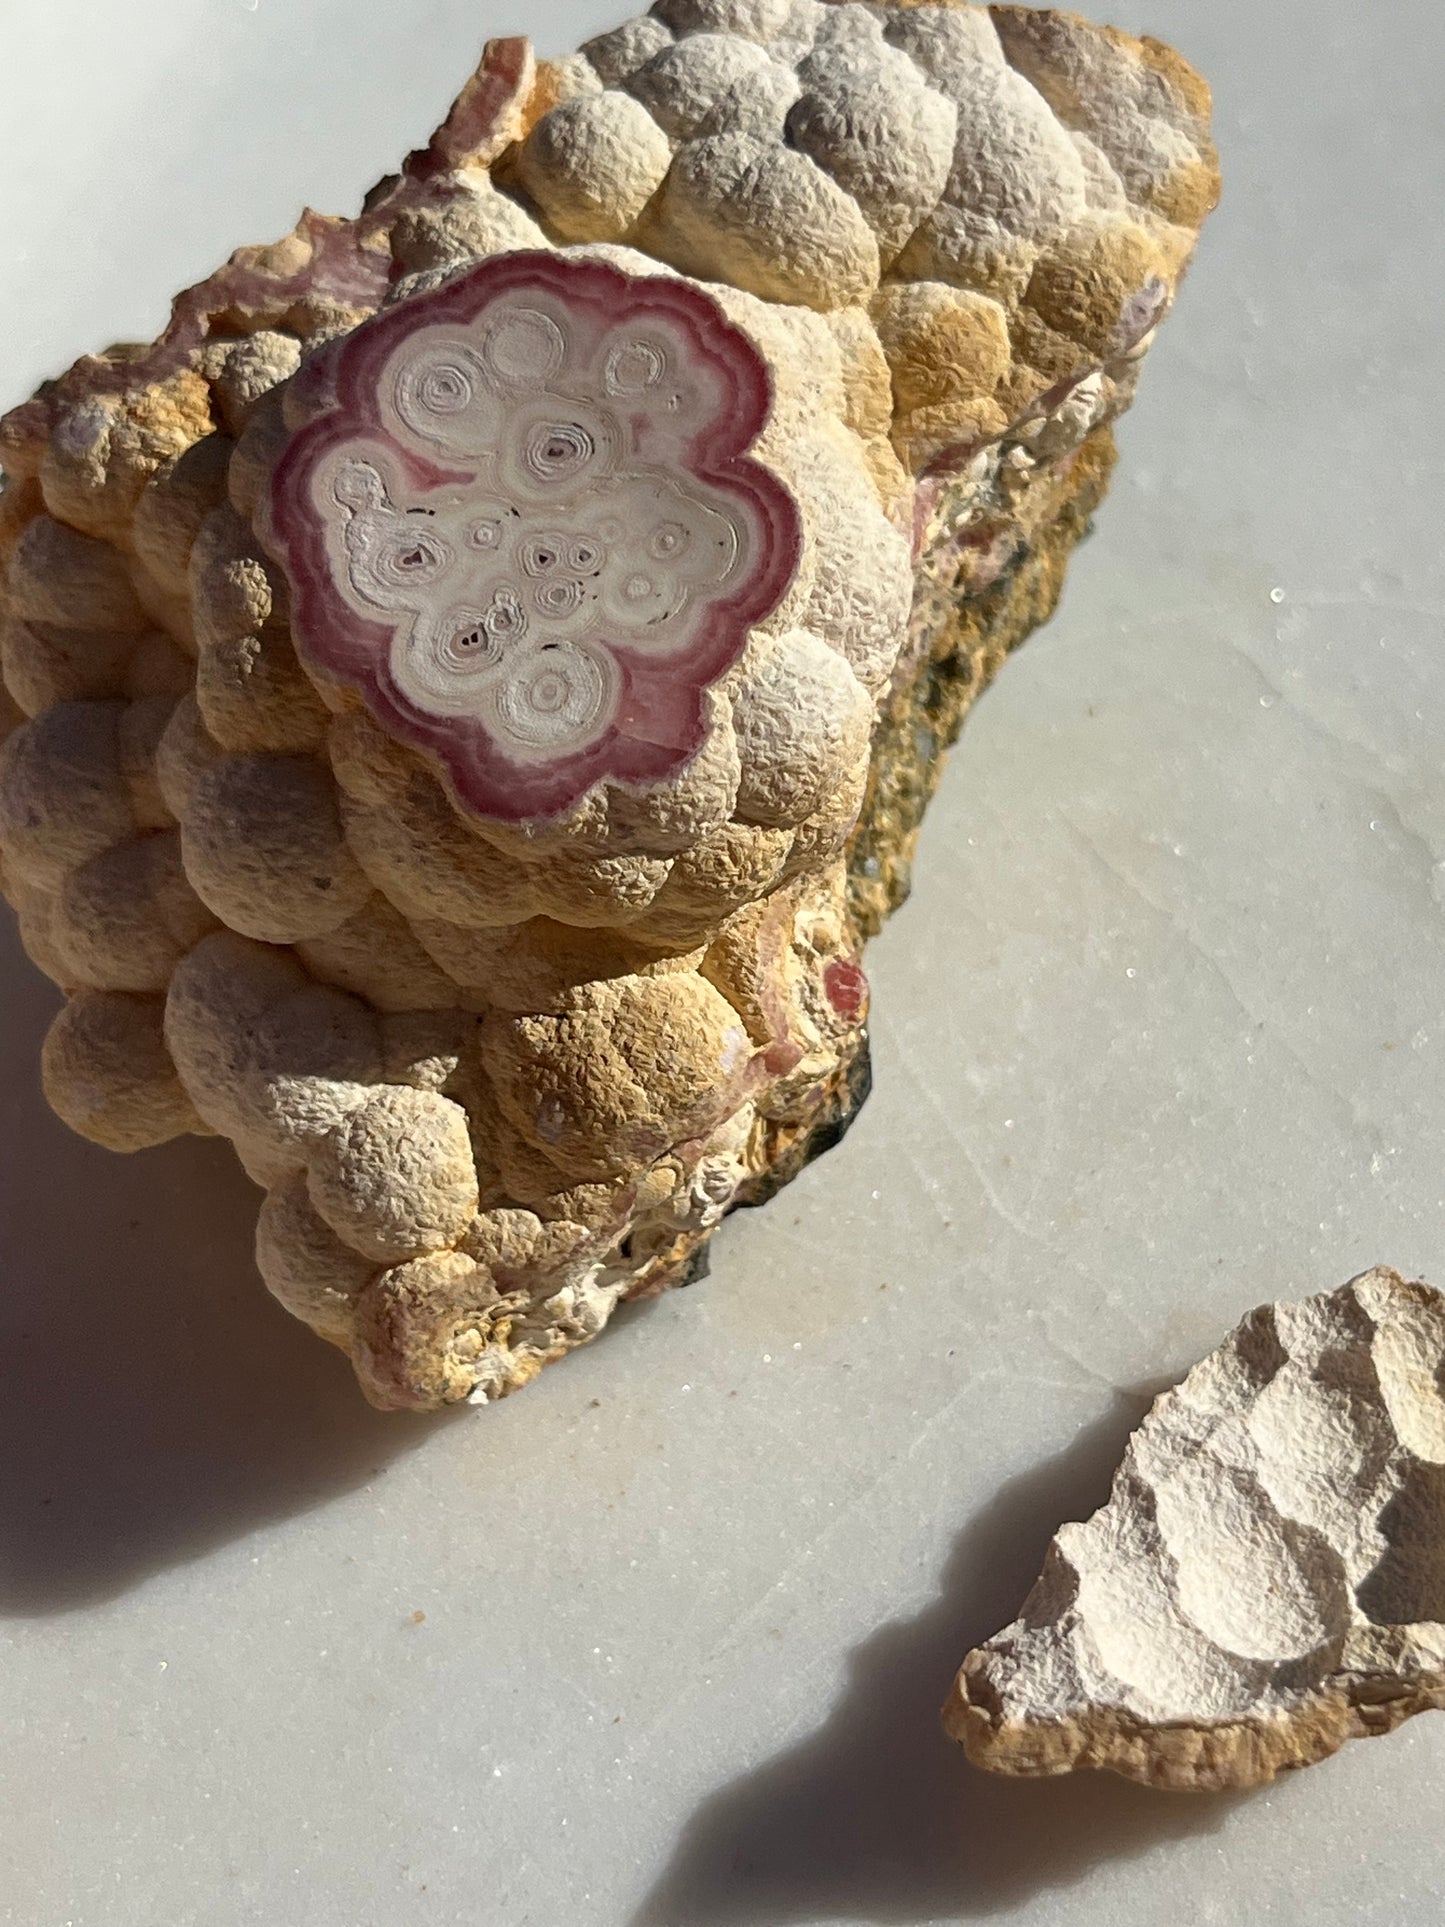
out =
column 846, row 988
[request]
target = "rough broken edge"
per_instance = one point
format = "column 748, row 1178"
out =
column 1189, row 1758
column 1194, row 1756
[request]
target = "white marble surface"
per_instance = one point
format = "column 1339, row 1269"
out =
column 1160, row 1035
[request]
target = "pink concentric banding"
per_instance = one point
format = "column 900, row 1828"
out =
column 660, row 718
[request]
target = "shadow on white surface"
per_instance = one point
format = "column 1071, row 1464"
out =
column 154, row 1401
column 877, row 1816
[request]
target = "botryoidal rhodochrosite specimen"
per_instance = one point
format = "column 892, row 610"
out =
column 472, row 685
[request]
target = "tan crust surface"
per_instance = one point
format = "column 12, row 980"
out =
column 495, row 1077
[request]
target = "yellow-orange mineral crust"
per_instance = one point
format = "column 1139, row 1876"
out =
column 466, row 834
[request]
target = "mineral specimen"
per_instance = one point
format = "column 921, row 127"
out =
column 472, row 685
column 1267, row 1580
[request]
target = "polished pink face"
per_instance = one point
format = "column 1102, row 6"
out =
column 521, row 521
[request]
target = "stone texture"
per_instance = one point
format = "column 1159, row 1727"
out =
column 1267, row 1580
column 940, row 238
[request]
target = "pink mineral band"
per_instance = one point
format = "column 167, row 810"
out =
column 520, row 521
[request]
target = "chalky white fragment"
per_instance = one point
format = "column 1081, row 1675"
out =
column 1267, row 1580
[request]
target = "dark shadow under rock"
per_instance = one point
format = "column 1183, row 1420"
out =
column 876, row 1816
column 154, row 1401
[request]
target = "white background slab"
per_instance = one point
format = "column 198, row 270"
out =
column 1160, row 1035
